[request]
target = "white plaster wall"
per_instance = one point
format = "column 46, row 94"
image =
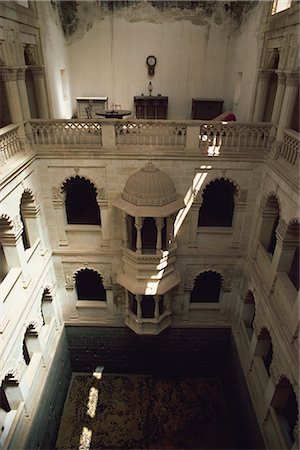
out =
column 56, row 59
column 108, row 57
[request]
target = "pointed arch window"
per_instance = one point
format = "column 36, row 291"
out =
column 218, row 204
column 81, row 202
column 28, row 214
column 207, row 287
column 89, row 285
column 270, row 221
column 286, row 407
column 248, row 313
column 264, row 348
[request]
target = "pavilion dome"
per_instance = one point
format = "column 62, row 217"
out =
column 149, row 192
column 149, row 186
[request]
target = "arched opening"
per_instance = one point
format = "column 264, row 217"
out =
column 218, row 204
column 8, row 250
column 29, row 82
column 295, row 125
column 47, row 307
column 271, row 216
column 28, row 213
column 132, row 303
column 285, row 405
column 264, row 348
column 270, row 97
column 81, row 202
column 3, row 264
column 131, row 232
column 149, row 235
column 248, row 313
column 30, row 344
column 207, row 287
column 89, row 285
column 293, row 272
column 5, row 118
column 289, row 258
column 148, row 306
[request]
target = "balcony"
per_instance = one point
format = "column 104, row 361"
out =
column 211, row 138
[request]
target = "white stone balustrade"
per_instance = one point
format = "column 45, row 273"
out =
column 10, row 143
column 163, row 133
column 215, row 136
column 288, row 149
column 65, row 132
column 210, row 137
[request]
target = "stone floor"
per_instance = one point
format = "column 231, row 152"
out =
column 144, row 412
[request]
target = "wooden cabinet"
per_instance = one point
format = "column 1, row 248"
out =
column 151, row 107
column 206, row 108
column 90, row 105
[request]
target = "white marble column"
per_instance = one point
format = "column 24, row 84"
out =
column 288, row 104
column 125, row 232
column 139, row 307
column 23, row 93
column 138, row 225
column 9, row 76
column 156, row 308
column 159, row 225
column 278, row 97
column 38, row 73
column 261, row 94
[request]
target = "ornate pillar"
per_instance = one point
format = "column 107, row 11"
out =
column 239, row 218
column 278, row 97
column 60, row 215
column 38, row 73
column 138, row 225
column 156, row 308
column 194, row 216
column 288, row 104
column 125, row 233
column 23, row 93
column 139, row 307
column 261, row 94
column 9, row 76
column 159, row 225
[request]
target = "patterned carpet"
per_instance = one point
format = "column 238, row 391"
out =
column 141, row 412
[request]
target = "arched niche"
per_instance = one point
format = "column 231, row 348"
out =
column 217, row 208
column 81, row 202
column 89, row 285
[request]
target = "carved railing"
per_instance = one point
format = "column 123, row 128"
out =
column 65, row 132
column 214, row 136
column 288, row 148
column 150, row 133
column 210, row 138
column 10, row 143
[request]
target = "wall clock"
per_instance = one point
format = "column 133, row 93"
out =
column 151, row 62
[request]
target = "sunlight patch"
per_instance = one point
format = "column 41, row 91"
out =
column 85, row 439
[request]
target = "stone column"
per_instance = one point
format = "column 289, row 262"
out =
column 139, row 307
column 159, row 225
column 23, row 93
column 125, row 234
column 278, row 98
column 261, row 95
column 288, row 104
column 9, row 76
column 60, row 215
column 156, row 309
column 138, row 225
column 38, row 73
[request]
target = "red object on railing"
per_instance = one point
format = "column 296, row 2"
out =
column 226, row 116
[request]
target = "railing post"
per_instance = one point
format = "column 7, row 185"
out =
column 192, row 135
column 108, row 134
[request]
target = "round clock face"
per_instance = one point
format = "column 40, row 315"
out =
column 151, row 60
